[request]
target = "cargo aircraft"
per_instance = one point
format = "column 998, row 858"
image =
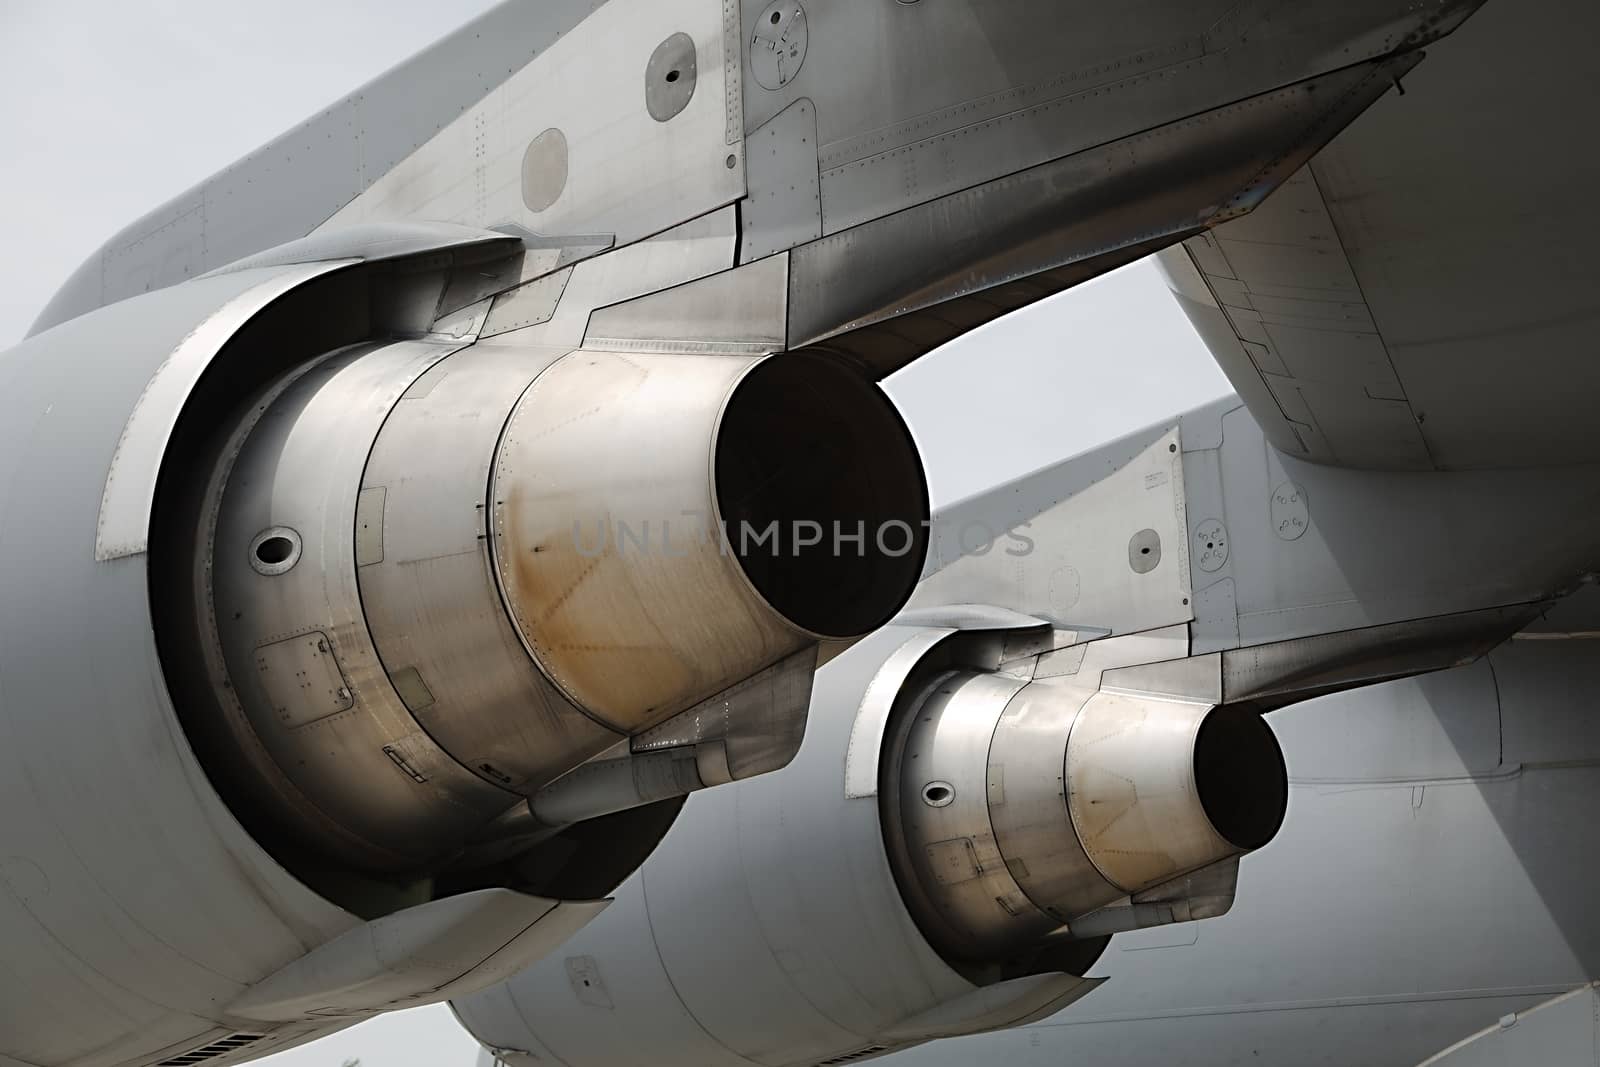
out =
column 401, row 524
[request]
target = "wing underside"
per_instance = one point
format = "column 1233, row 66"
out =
column 1423, row 295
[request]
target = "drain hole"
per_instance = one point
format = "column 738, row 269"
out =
column 274, row 550
column 938, row 794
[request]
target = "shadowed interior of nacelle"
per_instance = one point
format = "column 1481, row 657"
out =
column 1241, row 778
column 821, row 493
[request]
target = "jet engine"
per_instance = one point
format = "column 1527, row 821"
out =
column 407, row 584
column 1017, row 813
column 974, row 813
column 365, row 640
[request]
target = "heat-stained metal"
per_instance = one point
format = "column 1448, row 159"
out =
column 1015, row 807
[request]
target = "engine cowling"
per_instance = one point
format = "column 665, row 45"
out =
column 410, row 584
column 972, row 815
column 1017, row 810
column 301, row 675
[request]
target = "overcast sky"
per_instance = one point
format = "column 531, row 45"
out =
column 108, row 109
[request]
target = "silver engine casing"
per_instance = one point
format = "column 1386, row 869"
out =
column 211, row 639
column 856, row 912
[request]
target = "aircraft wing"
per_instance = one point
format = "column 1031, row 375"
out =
column 1423, row 294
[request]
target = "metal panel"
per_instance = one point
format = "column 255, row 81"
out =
column 302, row 680
column 526, row 305
column 331, row 769
column 123, row 528
column 995, row 1007
column 985, row 89
column 683, row 253
column 600, row 617
column 628, row 174
column 130, row 482
column 1401, row 313
column 1290, row 296
column 862, row 754
column 542, row 1012
column 1132, row 791
column 341, row 150
column 814, row 977
column 377, row 242
column 1373, row 881
column 1068, row 561
column 426, row 954
column 164, row 247
column 432, row 604
column 784, row 206
column 370, row 506
column 757, row 724
column 738, row 311
column 135, row 904
column 1439, row 726
column 942, row 843
column 1339, row 573
column 1079, row 208
column 1564, row 1031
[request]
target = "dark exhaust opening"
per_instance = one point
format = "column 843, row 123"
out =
column 1240, row 774
column 822, row 494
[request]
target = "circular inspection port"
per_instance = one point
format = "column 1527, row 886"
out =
column 1241, row 778
column 938, row 794
column 275, row 551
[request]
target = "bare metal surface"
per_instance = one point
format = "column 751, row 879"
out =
column 985, row 89
column 605, row 786
column 328, row 762
column 628, row 173
column 148, row 970
column 432, row 602
column 1206, row 893
column 699, row 247
column 783, row 205
column 1067, row 560
column 421, row 955
column 741, row 311
column 531, row 304
column 596, row 561
column 1074, row 209
column 379, row 242
column 958, row 883
column 861, row 768
column 996, row 1007
column 1363, row 843
column 1131, row 790
column 124, row 523
column 756, row 726
column 1021, row 807
column 1562, row 1032
column 118, row 798
column 1375, row 314
column 257, row 203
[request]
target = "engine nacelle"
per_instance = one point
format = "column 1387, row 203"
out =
column 347, row 603
column 970, row 817
column 1017, row 811
column 430, row 582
